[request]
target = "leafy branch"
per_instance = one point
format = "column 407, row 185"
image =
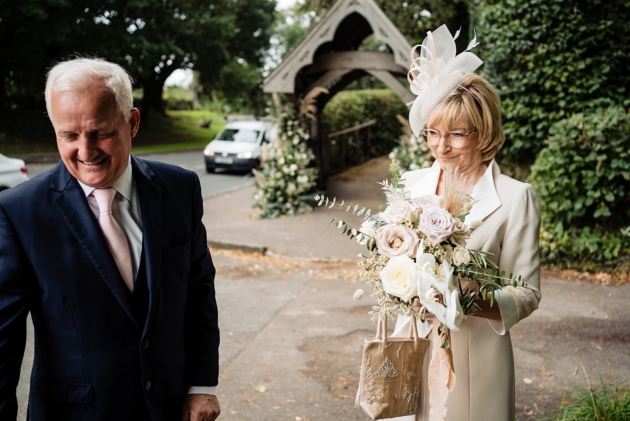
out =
column 489, row 279
column 325, row 201
column 354, row 233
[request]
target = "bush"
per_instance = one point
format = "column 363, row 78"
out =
column 348, row 108
column 549, row 59
column 412, row 153
column 582, row 178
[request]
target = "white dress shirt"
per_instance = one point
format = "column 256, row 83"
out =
column 126, row 211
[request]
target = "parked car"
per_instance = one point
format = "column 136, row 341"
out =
column 12, row 172
column 239, row 145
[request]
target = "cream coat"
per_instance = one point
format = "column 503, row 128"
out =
column 482, row 349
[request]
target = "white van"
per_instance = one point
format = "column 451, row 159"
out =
column 239, row 145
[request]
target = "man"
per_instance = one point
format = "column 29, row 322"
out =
column 108, row 253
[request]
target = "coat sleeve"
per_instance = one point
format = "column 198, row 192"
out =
column 520, row 256
column 201, row 327
column 16, row 280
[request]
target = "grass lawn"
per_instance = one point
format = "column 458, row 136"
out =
column 178, row 130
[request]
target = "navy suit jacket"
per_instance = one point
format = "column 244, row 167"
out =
column 94, row 358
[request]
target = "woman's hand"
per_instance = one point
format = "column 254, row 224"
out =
column 417, row 307
column 487, row 312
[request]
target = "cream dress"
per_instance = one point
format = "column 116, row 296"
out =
column 482, row 349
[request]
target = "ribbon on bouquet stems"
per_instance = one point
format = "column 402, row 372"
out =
column 441, row 376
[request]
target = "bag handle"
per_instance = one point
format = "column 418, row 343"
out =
column 381, row 330
column 413, row 329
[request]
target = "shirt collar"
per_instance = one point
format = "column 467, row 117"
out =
column 124, row 184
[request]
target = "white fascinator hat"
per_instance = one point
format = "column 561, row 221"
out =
column 437, row 72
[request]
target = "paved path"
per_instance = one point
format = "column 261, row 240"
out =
column 229, row 218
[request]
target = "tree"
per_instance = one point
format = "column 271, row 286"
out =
column 150, row 38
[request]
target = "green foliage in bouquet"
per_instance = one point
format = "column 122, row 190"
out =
column 551, row 58
column 582, row 179
column 286, row 180
column 412, row 153
column 348, row 108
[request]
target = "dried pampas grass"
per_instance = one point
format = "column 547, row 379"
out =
column 458, row 187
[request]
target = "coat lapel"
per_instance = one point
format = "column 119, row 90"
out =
column 75, row 211
column 485, row 192
column 151, row 211
column 427, row 184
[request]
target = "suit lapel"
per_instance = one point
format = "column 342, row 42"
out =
column 151, row 211
column 75, row 211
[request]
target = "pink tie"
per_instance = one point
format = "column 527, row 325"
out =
column 114, row 234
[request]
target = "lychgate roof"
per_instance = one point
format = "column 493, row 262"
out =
column 329, row 51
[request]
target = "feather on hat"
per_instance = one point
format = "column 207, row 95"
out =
column 437, row 72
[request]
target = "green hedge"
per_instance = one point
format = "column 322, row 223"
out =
column 582, row 178
column 550, row 59
column 348, row 108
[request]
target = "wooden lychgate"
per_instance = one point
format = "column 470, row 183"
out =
column 327, row 57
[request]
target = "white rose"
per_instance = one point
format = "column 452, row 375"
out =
column 293, row 168
column 427, row 200
column 281, row 161
column 461, row 234
column 367, row 228
column 397, row 211
column 399, row 278
column 437, row 224
column 461, row 255
column 396, row 240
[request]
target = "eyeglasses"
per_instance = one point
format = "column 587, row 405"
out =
column 454, row 139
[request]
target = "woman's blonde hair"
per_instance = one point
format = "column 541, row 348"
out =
column 478, row 102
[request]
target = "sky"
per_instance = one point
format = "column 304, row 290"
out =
column 184, row 77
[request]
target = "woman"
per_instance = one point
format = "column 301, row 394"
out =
column 464, row 131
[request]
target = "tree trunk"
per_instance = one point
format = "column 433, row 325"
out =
column 152, row 88
column 151, row 99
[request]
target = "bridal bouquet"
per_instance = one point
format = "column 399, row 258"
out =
column 417, row 254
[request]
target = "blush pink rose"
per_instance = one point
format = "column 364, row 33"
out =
column 437, row 224
column 396, row 240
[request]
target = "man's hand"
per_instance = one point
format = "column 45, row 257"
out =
column 200, row 408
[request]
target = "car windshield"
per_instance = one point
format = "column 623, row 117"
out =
column 239, row 135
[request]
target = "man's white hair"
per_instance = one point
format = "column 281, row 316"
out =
column 79, row 74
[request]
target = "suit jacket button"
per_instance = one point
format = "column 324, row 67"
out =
column 147, row 385
column 145, row 344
